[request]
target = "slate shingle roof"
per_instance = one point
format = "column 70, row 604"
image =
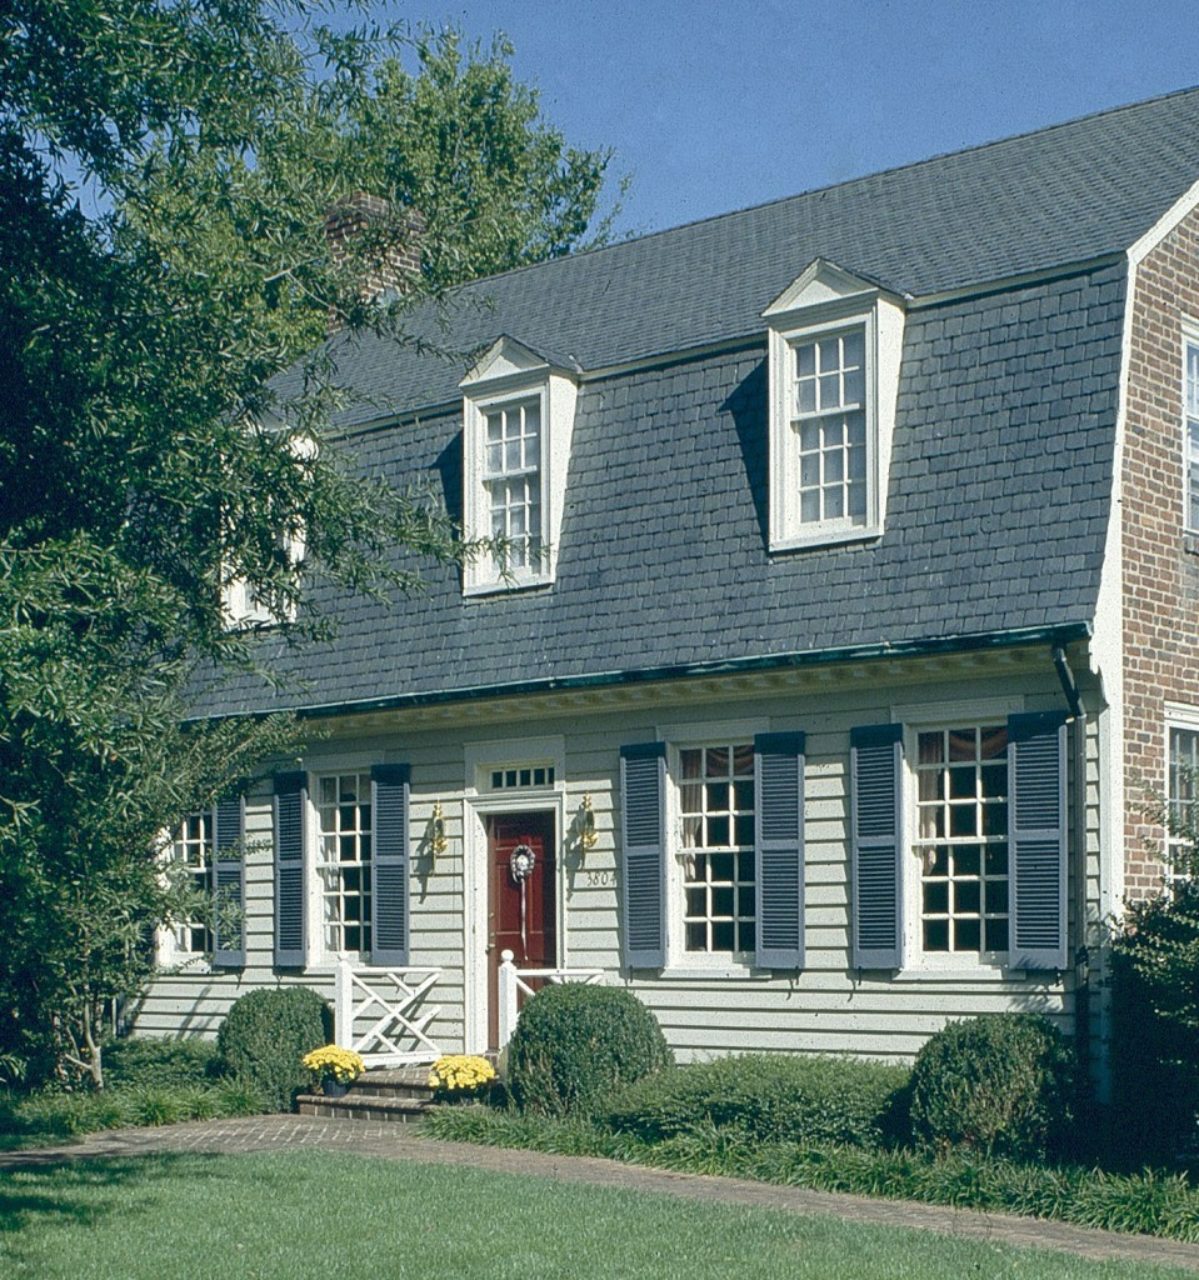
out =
column 1064, row 194
column 1001, row 468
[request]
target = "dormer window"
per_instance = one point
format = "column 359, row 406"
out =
column 828, row 429
column 518, row 417
column 512, row 480
column 835, row 342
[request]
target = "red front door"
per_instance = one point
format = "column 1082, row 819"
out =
column 522, row 911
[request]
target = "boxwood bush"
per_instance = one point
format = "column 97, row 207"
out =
column 143, row 1060
column 575, row 1044
column 767, row 1097
column 266, row 1034
column 1003, row 1084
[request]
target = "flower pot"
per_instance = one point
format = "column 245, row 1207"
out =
column 331, row 1087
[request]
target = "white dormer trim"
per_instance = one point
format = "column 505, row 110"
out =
column 507, row 375
column 826, row 301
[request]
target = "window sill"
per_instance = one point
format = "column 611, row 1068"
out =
column 814, row 541
column 723, row 973
column 967, row 973
column 478, row 589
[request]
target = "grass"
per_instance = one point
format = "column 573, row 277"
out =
column 277, row 1216
column 1148, row 1203
column 50, row 1117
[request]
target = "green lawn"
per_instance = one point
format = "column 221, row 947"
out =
column 288, row 1215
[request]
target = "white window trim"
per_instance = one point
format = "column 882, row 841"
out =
column 238, row 608
column 1177, row 716
column 825, row 300
column 506, row 374
column 317, row 959
column 168, row 953
column 1190, row 337
column 918, row 962
column 479, row 803
column 681, row 963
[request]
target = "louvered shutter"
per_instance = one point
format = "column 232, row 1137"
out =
column 643, row 850
column 389, row 864
column 229, row 882
column 290, row 804
column 779, row 849
column 1037, row 840
column 876, row 782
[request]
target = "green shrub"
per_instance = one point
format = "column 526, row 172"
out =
column 1004, row 1085
column 779, row 1097
column 1155, row 1028
column 266, row 1034
column 155, row 1062
column 575, row 1044
column 1149, row 1202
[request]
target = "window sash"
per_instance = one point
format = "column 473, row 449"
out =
column 830, row 441
column 960, row 778
column 1190, row 437
column 1182, row 792
column 191, row 848
column 715, row 797
column 343, row 861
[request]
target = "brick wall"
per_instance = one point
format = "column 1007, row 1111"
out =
column 380, row 247
column 1161, row 565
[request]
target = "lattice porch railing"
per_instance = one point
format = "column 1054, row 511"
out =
column 384, row 1014
column 515, row 983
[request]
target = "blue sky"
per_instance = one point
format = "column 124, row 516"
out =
column 715, row 106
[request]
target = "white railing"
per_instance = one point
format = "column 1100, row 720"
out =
column 514, row 982
column 391, row 1002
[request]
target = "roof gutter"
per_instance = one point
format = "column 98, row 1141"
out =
column 979, row 641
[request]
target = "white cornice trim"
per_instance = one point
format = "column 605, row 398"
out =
column 1165, row 224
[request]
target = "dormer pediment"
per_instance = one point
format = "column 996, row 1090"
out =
column 509, row 359
column 823, row 284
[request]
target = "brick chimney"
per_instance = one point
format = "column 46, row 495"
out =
column 382, row 247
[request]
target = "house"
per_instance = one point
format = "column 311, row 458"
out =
column 848, row 613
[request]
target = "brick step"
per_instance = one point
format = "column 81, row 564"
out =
column 351, row 1107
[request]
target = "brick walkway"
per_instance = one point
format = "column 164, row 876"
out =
column 403, row 1142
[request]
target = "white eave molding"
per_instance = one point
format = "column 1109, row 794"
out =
column 509, row 370
column 826, row 296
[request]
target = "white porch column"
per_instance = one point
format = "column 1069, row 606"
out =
column 343, row 1005
column 506, row 994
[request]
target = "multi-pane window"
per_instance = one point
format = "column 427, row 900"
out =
column 522, row 776
column 1190, row 443
column 829, row 421
column 192, row 850
column 344, row 860
column 716, row 805
column 961, row 839
column 1183, row 797
column 512, row 479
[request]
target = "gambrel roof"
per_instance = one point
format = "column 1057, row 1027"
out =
column 1001, row 474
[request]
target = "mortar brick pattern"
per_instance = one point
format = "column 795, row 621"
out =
column 1161, row 573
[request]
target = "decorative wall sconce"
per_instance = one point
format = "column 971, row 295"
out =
column 437, row 840
column 587, row 832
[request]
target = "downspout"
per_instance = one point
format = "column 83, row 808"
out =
column 1082, row 967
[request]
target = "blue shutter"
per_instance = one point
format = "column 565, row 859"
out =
column 876, row 782
column 229, row 882
column 290, row 804
column 389, row 864
column 779, row 855
column 1037, row 840
column 643, row 850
